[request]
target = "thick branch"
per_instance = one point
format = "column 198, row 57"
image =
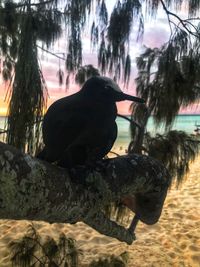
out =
column 35, row 190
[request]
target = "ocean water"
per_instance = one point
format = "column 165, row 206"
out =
column 182, row 122
column 185, row 123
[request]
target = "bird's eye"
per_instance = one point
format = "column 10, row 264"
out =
column 108, row 87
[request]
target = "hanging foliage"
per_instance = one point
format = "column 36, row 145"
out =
column 175, row 150
column 127, row 69
column 76, row 13
column 60, row 75
column 28, row 93
column 84, row 73
column 113, row 51
column 169, row 77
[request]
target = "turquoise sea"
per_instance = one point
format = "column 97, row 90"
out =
column 182, row 122
column 185, row 123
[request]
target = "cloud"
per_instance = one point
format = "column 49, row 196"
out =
column 192, row 109
column 156, row 33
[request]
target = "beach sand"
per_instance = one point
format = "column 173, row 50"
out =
column 173, row 241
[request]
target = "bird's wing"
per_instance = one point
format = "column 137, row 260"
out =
column 62, row 129
column 92, row 144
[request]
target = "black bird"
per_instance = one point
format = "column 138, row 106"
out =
column 81, row 129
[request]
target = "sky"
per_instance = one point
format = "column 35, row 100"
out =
column 156, row 32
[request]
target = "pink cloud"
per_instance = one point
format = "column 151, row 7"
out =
column 192, row 109
column 155, row 36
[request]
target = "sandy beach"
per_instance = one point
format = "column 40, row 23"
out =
column 173, row 241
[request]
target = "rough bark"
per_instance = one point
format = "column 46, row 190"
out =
column 36, row 190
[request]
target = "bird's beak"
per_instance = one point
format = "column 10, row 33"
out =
column 121, row 96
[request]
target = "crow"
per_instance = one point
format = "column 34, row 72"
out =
column 80, row 129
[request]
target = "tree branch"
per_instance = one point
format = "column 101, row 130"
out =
column 181, row 21
column 36, row 190
column 129, row 120
column 51, row 53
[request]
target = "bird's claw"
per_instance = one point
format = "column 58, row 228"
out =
column 130, row 238
column 133, row 224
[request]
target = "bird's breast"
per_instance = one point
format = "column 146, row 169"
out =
column 101, row 111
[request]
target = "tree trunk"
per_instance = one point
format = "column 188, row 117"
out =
column 31, row 189
column 136, row 144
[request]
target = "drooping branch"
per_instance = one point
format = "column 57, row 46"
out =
column 36, row 190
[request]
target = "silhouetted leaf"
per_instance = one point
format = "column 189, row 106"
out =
column 175, row 150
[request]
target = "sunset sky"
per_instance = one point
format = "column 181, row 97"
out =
column 156, row 33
